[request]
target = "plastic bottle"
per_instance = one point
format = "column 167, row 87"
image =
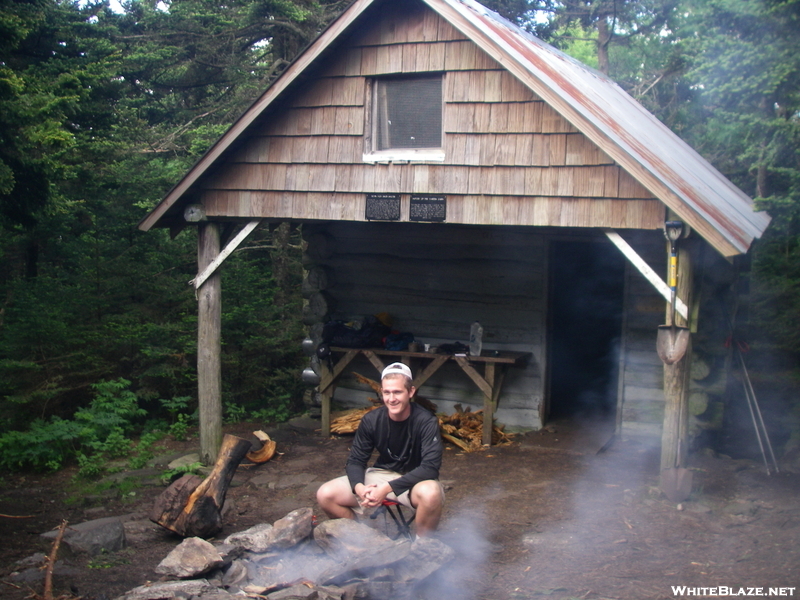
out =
column 475, row 339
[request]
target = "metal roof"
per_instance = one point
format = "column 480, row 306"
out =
column 623, row 128
column 593, row 103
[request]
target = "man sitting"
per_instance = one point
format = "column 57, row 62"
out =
column 409, row 447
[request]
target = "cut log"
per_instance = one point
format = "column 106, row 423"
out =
column 192, row 507
column 267, row 450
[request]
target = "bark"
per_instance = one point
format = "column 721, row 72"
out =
column 192, row 507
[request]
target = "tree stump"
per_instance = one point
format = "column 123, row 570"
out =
column 192, row 507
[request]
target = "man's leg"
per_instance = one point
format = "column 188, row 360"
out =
column 427, row 499
column 337, row 499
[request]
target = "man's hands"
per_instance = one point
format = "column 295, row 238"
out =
column 372, row 495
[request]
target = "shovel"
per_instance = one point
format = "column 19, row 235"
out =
column 676, row 482
column 672, row 340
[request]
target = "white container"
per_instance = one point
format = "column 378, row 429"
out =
column 475, row 339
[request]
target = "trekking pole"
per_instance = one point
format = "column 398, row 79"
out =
column 752, row 395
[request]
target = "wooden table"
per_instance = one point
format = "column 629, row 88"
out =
column 490, row 383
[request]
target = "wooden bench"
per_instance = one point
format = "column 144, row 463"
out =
column 490, row 383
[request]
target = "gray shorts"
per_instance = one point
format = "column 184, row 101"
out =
column 379, row 476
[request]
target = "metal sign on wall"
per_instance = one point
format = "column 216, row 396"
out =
column 426, row 207
column 382, row 207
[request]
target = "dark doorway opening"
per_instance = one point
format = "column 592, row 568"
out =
column 586, row 302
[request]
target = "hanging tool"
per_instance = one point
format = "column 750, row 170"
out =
column 672, row 341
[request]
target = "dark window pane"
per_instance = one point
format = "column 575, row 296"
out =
column 409, row 113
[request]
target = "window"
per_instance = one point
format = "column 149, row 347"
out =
column 406, row 119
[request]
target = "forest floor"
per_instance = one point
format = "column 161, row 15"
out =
column 545, row 517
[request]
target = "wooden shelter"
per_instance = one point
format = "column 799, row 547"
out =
column 448, row 167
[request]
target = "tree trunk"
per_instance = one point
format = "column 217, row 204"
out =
column 192, row 507
column 603, row 40
column 209, row 345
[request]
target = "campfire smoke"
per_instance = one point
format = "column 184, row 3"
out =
column 338, row 559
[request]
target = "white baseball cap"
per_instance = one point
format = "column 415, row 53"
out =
column 397, row 368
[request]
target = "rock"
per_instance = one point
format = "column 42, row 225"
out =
column 236, row 574
column 740, row 507
column 191, row 558
column 228, row 552
column 297, row 564
column 295, row 480
column 285, row 533
column 184, row 461
column 291, row 529
column 255, row 539
column 34, row 560
column 169, row 589
column 426, row 556
column 283, row 482
column 304, row 592
column 219, row 595
column 93, row 537
column 698, row 507
column 35, row 575
column 356, row 546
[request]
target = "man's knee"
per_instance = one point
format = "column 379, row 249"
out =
column 427, row 493
column 326, row 493
column 334, row 492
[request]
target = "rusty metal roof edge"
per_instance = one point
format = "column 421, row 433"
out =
column 739, row 221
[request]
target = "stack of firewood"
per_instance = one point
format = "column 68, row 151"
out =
column 347, row 423
column 465, row 430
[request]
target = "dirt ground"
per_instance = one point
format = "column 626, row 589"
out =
column 545, row 517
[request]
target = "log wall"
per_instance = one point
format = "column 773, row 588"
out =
column 434, row 282
column 508, row 157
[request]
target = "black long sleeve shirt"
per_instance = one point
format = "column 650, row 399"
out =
column 420, row 462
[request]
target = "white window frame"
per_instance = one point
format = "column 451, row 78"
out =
column 371, row 155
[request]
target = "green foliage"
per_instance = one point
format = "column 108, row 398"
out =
column 106, row 560
column 115, row 409
column 144, row 449
column 179, row 430
column 233, row 413
column 171, row 475
column 96, row 434
column 90, row 465
column 100, row 113
column 279, row 409
column 579, row 43
column 46, row 445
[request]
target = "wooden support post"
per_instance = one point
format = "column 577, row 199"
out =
column 325, row 401
column 674, row 440
column 485, row 384
column 209, row 345
column 488, row 406
column 327, row 385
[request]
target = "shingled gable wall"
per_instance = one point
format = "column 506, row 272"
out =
column 509, row 158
